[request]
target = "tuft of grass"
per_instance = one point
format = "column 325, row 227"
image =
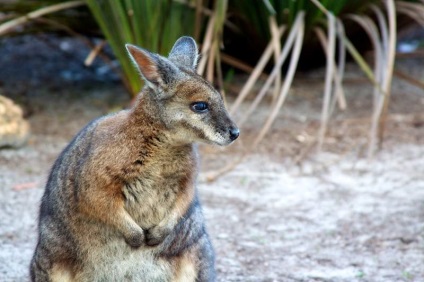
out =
column 377, row 18
column 360, row 274
column 255, row 13
column 407, row 275
column 155, row 25
column 11, row 24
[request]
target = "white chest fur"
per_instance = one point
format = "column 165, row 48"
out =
column 119, row 262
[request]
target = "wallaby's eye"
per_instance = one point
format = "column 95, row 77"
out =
column 199, row 107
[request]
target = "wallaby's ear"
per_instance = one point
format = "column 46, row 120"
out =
column 184, row 52
column 156, row 70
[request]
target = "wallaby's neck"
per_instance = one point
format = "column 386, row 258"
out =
column 146, row 110
column 145, row 116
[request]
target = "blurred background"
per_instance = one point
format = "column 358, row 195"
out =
column 261, row 43
column 327, row 180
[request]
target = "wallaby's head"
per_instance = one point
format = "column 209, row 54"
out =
column 185, row 102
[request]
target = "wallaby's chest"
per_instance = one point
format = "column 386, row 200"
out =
column 151, row 196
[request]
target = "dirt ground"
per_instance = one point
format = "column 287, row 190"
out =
column 286, row 213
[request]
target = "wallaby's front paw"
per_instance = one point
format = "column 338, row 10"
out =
column 135, row 239
column 156, row 235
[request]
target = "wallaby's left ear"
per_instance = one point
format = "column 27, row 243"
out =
column 156, row 70
column 184, row 53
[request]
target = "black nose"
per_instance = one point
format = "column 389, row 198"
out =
column 234, row 133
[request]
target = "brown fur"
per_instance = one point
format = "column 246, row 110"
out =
column 120, row 203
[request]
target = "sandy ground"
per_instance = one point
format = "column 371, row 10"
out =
column 330, row 216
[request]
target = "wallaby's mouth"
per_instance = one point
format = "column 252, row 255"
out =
column 228, row 137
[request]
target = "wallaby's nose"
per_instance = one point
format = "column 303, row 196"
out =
column 234, row 133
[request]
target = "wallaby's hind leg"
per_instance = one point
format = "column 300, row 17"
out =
column 195, row 264
column 38, row 271
column 42, row 269
column 206, row 263
column 57, row 273
column 60, row 273
column 186, row 267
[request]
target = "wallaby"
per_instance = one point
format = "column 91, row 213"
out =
column 120, row 203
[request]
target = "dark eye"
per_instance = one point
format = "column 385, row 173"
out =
column 199, row 107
